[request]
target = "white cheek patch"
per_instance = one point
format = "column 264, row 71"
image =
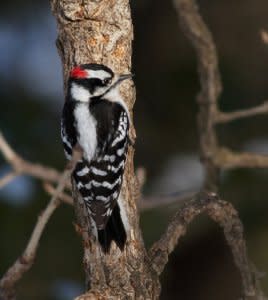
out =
column 79, row 93
column 100, row 91
column 100, row 74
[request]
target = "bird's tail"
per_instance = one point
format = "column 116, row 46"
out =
column 113, row 231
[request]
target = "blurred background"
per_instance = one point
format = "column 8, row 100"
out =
column 167, row 145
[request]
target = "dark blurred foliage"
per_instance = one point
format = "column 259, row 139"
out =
column 165, row 117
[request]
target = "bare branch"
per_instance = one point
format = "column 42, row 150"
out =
column 22, row 166
column 6, row 179
column 222, row 213
column 7, row 151
column 24, row 262
column 227, row 159
column 222, row 117
column 200, row 37
column 62, row 196
column 153, row 202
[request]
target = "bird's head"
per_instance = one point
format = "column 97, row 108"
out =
column 93, row 80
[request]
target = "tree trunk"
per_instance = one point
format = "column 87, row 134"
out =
column 102, row 32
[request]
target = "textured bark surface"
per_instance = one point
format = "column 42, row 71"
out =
column 101, row 32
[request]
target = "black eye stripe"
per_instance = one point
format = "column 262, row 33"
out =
column 99, row 82
column 96, row 81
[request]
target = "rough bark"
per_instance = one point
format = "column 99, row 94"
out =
column 101, row 32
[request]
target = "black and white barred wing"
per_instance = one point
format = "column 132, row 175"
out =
column 68, row 131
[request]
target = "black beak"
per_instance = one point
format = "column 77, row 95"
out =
column 120, row 79
column 124, row 77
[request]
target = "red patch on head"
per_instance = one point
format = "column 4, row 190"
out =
column 77, row 72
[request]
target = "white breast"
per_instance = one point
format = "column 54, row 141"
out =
column 86, row 127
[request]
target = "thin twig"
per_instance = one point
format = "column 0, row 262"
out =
column 222, row 213
column 6, row 179
column 222, row 117
column 201, row 39
column 227, row 159
column 62, row 196
column 25, row 261
column 154, row 202
column 22, row 166
column 8, row 152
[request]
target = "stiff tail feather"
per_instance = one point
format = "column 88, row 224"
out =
column 114, row 231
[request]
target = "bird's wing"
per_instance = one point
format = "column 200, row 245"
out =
column 68, row 131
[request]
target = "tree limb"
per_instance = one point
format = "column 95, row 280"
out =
column 21, row 166
column 154, row 202
column 222, row 117
column 227, row 159
column 6, row 179
column 25, row 261
column 62, row 196
column 212, row 156
column 201, row 39
column 224, row 214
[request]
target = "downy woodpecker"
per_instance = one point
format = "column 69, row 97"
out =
column 96, row 118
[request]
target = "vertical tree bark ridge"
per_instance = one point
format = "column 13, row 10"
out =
column 199, row 35
column 101, row 32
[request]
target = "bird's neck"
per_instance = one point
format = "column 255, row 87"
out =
column 79, row 93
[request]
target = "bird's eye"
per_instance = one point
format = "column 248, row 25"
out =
column 106, row 81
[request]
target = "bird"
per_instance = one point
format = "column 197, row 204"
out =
column 96, row 118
